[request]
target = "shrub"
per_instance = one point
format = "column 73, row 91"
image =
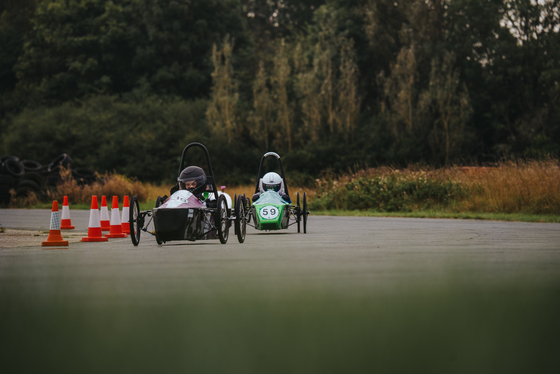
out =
column 389, row 192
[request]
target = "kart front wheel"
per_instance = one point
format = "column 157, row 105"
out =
column 305, row 213
column 240, row 219
column 298, row 213
column 222, row 219
column 135, row 221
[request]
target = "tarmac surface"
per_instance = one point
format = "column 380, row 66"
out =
column 348, row 254
column 358, row 295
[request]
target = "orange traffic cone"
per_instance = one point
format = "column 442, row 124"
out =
column 54, row 239
column 116, row 229
column 105, row 223
column 94, row 227
column 66, row 222
column 125, row 214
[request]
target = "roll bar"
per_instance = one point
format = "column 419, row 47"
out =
column 209, row 178
column 260, row 175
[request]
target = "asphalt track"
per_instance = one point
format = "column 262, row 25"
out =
column 346, row 262
column 337, row 252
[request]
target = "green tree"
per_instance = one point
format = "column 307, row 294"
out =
column 263, row 104
column 88, row 47
column 221, row 112
column 449, row 101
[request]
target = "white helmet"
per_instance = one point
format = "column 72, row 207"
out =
column 271, row 182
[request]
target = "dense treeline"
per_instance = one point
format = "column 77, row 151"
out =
column 124, row 84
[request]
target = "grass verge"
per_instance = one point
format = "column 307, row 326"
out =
column 513, row 217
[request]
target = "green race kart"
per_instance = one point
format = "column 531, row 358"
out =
column 273, row 210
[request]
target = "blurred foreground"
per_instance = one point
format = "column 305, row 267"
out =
column 353, row 295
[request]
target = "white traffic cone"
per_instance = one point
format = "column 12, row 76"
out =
column 66, row 222
column 116, row 228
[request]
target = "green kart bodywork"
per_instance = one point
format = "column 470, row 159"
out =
column 271, row 212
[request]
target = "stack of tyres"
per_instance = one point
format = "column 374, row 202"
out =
column 6, row 184
column 10, row 170
column 53, row 169
column 20, row 178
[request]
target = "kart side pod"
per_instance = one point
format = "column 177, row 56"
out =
column 270, row 217
column 178, row 224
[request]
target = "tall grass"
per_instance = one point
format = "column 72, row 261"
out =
column 512, row 187
column 109, row 184
column 530, row 187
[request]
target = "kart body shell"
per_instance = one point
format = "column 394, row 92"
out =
column 182, row 217
column 270, row 210
column 186, row 216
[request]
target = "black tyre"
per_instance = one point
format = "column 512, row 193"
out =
column 5, row 195
column 35, row 177
column 305, row 213
column 247, row 208
column 159, row 242
column 25, row 191
column 134, row 221
column 29, row 183
column 7, row 180
column 53, row 180
column 298, row 213
column 84, row 176
column 12, row 167
column 234, row 202
column 4, row 158
column 63, row 160
column 160, row 200
column 29, row 165
column 240, row 219
column 221, row 219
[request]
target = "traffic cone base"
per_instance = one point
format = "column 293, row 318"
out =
column 66, row 226
column 94, row 226
column 55, row 238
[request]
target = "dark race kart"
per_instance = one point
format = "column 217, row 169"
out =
column 190, row 216
column 273, row 210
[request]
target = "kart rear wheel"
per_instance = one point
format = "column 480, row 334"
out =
column 247, row 208
column 159, row 201
column 222, row 220
column 298, row 213
column 134, row 221
column 305, row 213
column 240, row 219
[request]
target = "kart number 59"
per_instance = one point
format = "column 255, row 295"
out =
column 269, row 212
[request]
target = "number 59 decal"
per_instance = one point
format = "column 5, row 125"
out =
column 269, row 212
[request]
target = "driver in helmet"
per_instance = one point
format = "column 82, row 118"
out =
column 192, row 179
column 272, row 182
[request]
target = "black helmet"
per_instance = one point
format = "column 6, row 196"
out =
column 192, row 173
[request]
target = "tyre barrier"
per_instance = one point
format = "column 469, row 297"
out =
column 7, row 182
column 5, row 195
column 63, row 160
column 4, row 158
column 12, row 167
column 84, row 176
column 21, row 178
column 35, row 177
column 30, row 165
